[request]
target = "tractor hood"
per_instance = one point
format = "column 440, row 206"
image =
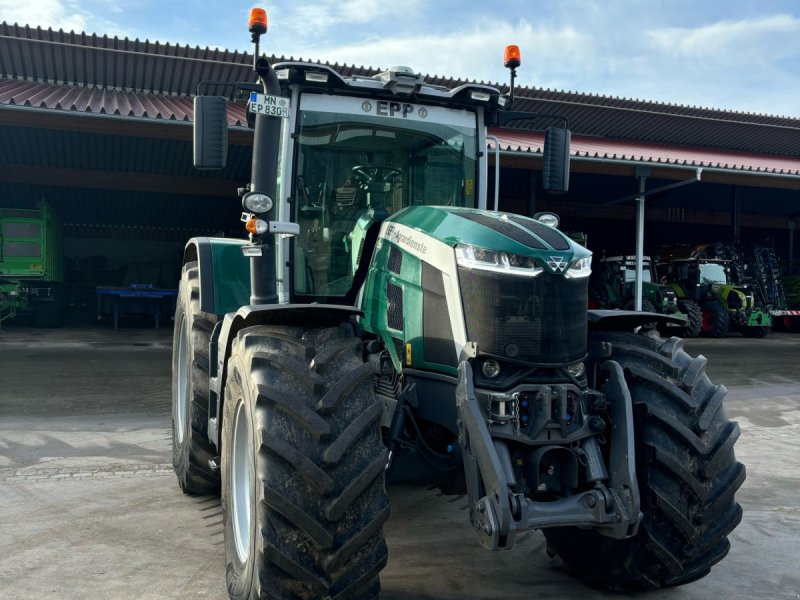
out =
column 493, row 230
column 430, row 291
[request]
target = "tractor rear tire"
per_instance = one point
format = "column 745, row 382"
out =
column 303, row 467
column 716, row 320
column 695, row 322
column 756, row 331
column 191, row 449
column 685, row 467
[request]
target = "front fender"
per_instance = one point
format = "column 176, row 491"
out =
column 224, row 273
column 626, row 320
column 225, row 331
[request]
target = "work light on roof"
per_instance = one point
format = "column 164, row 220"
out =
column 258, row 21
column 512, row 58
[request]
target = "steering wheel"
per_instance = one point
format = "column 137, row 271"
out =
column 375, row 173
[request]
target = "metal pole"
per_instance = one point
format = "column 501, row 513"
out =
column 639, row 242
column 496, row 171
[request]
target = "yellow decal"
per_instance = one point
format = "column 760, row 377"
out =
column 470, row 187
column 408, row 354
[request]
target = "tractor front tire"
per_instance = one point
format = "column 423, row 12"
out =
column 191, row 449
column 695, row 318
column 716, row 320
column 685, row 467
column 303, row 467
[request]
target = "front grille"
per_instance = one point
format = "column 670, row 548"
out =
column 538, row 319
column 395, row 260
column 394, row 306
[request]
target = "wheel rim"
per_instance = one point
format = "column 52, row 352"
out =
column 240, row 483
column 708, row 321
column 181, row 403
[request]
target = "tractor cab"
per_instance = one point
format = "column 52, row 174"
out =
column 352, row 151
column 363, row 153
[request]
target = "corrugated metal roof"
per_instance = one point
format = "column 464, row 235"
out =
column 142, row 66
column 649, row 153
column 103, row 101
column 665, row 123
column 163, row 69
column 178, row 154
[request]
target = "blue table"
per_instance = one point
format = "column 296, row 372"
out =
column 135, row 299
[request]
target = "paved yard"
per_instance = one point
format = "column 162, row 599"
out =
column 89, row 507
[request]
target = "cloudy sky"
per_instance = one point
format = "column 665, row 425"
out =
column 741, row 55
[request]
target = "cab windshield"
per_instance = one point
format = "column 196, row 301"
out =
column 353, row 169
column 713, row 273
column 630, row 273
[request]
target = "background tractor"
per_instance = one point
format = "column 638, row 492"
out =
column 612, row 285
column 724, row 303
column 380, row 325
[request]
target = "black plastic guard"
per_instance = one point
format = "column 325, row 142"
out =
column 622, row 460
column 625, row 320
column 489, row 507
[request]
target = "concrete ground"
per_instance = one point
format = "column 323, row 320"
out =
column 89, row 507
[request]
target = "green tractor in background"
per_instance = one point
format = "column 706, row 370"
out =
column 379, row 325
column 613, row 285
column 725, row 304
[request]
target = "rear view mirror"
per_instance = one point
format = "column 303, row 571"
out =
column 210, row 132
column 555, row 172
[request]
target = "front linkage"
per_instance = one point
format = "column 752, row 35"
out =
column 499, row 508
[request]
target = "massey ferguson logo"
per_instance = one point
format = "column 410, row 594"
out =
column 557, row 264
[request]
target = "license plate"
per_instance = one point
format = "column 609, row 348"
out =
column 273, row 106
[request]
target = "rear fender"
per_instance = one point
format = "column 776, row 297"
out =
column 225, row 331
column 224, row 273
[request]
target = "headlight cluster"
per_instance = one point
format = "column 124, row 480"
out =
column 580, row 268
column 509, row 263
column 473, row 257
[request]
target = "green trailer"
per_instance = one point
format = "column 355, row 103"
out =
column 31, row 265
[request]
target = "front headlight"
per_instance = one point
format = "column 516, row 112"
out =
column 508, row 263
column 580, row 268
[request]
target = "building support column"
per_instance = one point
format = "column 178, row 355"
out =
column 639, row 241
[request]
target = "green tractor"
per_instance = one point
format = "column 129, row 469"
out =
column 725, row 305
column 380, row 325
column 613, row 285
